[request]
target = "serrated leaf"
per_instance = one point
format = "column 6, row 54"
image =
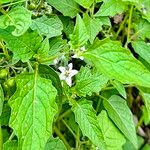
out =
column 88, row 81
column 33, row 108
column 116, row 62
column 10, row 145
column 85, row 116
column 1, row 99
column 112, row 136
column 23, row 47
column 85, row 3
column 121, row 115
column 80, row 36
column 19, row 17
column 54, row 144
column 143, row 49
column 111, row 8
column 93, row 26
column 66, row 7
column 120, row 88
column 48, row 26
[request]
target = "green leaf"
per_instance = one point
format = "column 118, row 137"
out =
column 144, row 8
column 1, row 99
column 54, row 144
column 145, row 93
column 10, row 145
column 121, row 115
column 7, row 1
column 19, row 17
column 44, row 49
column 88, row 81
column 47, row 26
column 23, row 47
column 49, row 73
column 66, row 7
column 116, row 62
column 80, row 36
column 33, row 108
column 143, row 49
column 112, row 136
column 85, row 116
column 93, row 26
column 142, row 27
column 4, row 118
column 111, row 8
column 85, row 3
column 146, row 147
column 120, row 88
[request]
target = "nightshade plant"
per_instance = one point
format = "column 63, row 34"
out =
column 74, row 74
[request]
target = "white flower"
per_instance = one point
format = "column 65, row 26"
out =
column 67, row 73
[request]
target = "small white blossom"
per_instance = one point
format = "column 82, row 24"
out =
column 67, row 74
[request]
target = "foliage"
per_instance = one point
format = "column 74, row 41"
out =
column 74, row 74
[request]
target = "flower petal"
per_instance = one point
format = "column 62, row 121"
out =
column 72, row 73
column 62, row 69
column 62, row 76
column 69, row 81
column 70, row 66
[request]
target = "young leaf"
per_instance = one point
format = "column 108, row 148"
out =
column 111, row 8
column 93, row 26
column 19, row 17
column 66, row 7
column 23, row 47
column 112, row 136
column 33, row 108
column 85, row 116
column 143, row 49
column 47, row 26
column 121, row 115
column 85, row 3
column 118, row 63
column 10, row 145
column 88, row 81
column 54, row 144
column 119, row 86
column 80, row 36
column 44, row 49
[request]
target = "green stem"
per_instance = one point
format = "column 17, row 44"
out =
column 30, row 67
column 129, row 25
column 62, row 138
column 110, row 88
column 98, row 104
column 122, row 25
column 140, row 122
column 1, row 138
column 64, row 114
column 4, row 50
column 65, row 123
